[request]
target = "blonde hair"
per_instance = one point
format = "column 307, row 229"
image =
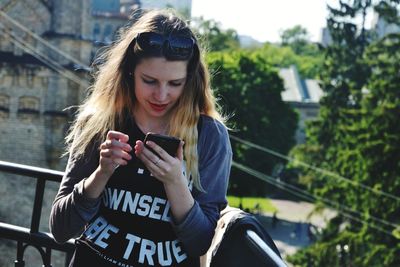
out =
column 112, row 97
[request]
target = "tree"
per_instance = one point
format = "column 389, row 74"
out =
column 309, row 66
column 250, row 89
column 369, row 152
column 298, row 39
column 357, row 136
column 297, row 34
column 213, row 37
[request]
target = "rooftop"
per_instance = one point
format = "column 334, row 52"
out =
column 298, row 89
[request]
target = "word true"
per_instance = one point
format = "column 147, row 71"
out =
column 154, row 253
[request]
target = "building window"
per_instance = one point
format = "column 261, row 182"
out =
column 28, row 109
column 28, row 104
column 4, row 106
column 108, row 33
column 4, row 101
column 30, row 75
column 96, row 32
column 15, row 77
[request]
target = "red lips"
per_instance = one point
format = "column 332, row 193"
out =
column 158, row 107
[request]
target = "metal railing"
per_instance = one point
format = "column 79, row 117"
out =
column 44, row 242
column 32, row 237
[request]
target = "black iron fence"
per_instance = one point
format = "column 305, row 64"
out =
column 32, row 237
column 44, row 242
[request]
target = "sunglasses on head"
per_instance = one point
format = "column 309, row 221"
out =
column 172, row 46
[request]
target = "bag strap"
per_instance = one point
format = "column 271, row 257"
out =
column 226, row 216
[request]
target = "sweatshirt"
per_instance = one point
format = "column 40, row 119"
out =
column 130, row 224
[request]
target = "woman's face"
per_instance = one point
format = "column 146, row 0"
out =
column 158, row 85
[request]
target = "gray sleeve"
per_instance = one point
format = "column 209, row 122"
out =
column 215, row 158
column 71, row 210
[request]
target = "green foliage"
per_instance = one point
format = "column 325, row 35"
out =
column 347, row 249
column 261, row 204
column 298, row 39
column 389, row 10
column 309, row 65
column 295, row 51
column 356, row 136
column 213, row 37
column 297, row 34
column 250, row 89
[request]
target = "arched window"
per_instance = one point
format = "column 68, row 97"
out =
column 28, row 104
column 28, row 109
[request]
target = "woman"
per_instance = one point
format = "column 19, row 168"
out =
column 128, row 205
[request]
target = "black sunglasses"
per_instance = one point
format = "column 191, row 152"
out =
column 172, row 46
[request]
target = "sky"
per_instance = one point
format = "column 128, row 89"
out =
column 265, row 19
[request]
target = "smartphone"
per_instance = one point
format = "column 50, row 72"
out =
column 169, row 143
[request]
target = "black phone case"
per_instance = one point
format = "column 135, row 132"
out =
column 169, row 143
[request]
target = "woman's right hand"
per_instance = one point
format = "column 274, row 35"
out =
column 114, row 151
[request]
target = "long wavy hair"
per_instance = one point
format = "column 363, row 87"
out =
column 112, row 96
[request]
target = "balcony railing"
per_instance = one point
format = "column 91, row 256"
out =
column 31, row 237
column 44, row 242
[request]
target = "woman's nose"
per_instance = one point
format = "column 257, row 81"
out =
column 161, row 93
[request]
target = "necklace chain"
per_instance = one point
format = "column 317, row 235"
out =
column 146, row 130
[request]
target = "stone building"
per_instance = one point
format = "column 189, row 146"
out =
column 33, row 94
column 44, row 44
column 46, row 48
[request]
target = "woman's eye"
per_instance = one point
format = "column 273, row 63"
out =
column 149, row 81
column 175, row 83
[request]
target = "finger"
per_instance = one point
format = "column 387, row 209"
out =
column 118, row 136
column 105, row 153
column 126, row 155
column 139, row 146
column 151, row 158
column 120, row 154
column 106, row 144
column 159, row 150
column 109, row 144
column 115, row 144
column 115, row 154
column 152, row 161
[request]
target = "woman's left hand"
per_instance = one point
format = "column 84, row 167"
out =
column 164, row 167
